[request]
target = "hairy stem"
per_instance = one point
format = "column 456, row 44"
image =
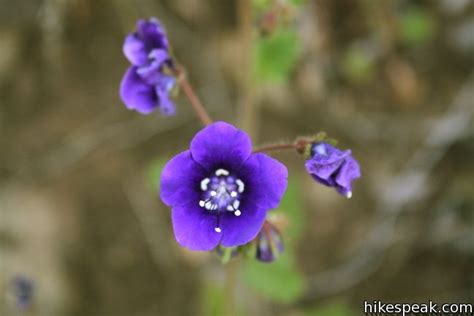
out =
column 192, row 97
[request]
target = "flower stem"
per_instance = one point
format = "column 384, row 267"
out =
column 266, row 148
column 231, row 270
column 299, row 145
column 192, row 97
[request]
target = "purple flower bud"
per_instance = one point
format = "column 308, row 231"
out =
column 333, row 167
column 220, row 191
column 269, row 243
column 22, row 289
column 145, row 86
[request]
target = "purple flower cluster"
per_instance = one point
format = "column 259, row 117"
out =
column 220, row 191
column 146, row 86
column 333, row 167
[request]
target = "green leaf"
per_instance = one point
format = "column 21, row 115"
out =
column 279, row 281
column 416, row 26
column 291, row 205
column 275, row 56
column 154, row 172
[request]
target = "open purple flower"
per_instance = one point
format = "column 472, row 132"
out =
column 145, row 86
column 333, row 167
column 220, row 191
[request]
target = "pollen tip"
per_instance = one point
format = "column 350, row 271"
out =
column 349, row 194
column 202, row 203
column 218, row 229
column 237, row 213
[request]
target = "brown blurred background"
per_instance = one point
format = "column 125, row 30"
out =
column 392, row 80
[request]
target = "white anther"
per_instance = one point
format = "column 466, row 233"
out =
column 217, row 229
column 204, row 184
column 233, row 194
column 230, row 208
column 236, row 204
column 213, row 193
column 208, row 205
column 240, row 185
column 202, row 203
column 349, row 194
column 237, row 213
column 222, row 172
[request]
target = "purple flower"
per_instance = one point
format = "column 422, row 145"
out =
column 269, row 243
column 333, row 167
column 22, row 288
column 145, row 86
column 220, row 191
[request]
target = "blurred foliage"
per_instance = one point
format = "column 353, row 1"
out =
column 280, row 280
column 358, row 65
column 154, row 172
column 417, row 26
column 332, row 309
column 276, row 55
column 212, row 299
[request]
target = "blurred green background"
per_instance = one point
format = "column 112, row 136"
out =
column 79, row 211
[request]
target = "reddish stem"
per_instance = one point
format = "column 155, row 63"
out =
column 192, row 97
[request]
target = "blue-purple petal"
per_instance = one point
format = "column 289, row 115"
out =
column 135, row 51
column 221, row 145
column 152, row 33
column 194, row 227
column 179, row 183
column 266, row 180
column 239, row 230
column 136, row 93
column 166, row 105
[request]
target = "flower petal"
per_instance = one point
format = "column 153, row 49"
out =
column 135, row 51
column 180, row 178
column 136, row 94
column 265, row 180
column 239, row 230
column 152, row 72
column 324, row 169
column 152, row 33
column 166, row 105
column 348, row 172
column 221, row 145
column 194, row 227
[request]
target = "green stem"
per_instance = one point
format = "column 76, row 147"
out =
column 231, row 272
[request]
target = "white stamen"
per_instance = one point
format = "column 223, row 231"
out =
column 321, row 149
column 233, row 194
column 204, row 184
column 349, row 194
column 237, row 213
column 241, row 185
column 222, row 172
column 217, row 229
column 213, row 193
column 236, row 204
column 229, row 208
column 208, row 205
column 202, row 203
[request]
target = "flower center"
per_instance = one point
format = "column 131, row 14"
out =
column 221, row 193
